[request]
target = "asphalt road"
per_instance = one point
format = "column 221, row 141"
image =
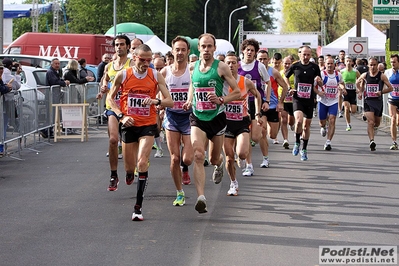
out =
column 55, row 209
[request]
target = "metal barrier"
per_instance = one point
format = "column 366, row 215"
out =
column 31, row 111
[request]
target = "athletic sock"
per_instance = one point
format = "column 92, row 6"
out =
column 141, row 187
column 184, row 166
column 305, row 144
column 298, row 138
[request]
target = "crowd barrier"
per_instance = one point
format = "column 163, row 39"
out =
column 31, row 111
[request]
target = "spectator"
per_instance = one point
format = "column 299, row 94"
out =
column 169, row 58
column 71, row 73
column 100, row 70
column 220, row 57
column 193, row 58
column 9, row 110
column 83, row 70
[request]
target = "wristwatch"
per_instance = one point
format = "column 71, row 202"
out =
column 258, row 114
column 159, row 102
column 221, row 100
column 120, row 115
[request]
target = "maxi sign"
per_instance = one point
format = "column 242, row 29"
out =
column 385, row 11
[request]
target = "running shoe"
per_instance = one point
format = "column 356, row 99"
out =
column 120, row 152
column 159, row 153
column 129, row 179
column 323, row 131
column 136, row 173
column 248, row 172
column 137, row 214
column 292, row 127
column 107, row 154
column 206, row 161
column 218, row 174
column 265, row 163
column 394, row 146
column 275, row 141
column 349, row 128
column 295, row 150
column 327, row 147
column 233, row 191
column 304, row 155
column 113, row 183
column 186, row 178
column 364, row 118
column 200, row 205
column 340, row 114
column 372, row 145
column 253, row 143
column 286, row 144
column 180, row 199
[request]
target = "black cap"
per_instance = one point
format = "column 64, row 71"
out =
column 7, row 62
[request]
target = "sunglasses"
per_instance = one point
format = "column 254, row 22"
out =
column 148, row 60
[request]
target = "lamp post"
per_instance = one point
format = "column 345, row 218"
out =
column 243, row 7
column 206, row 4
column 166, row 22
column 258, row 17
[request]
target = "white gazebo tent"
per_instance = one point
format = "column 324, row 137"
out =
column 157, row 45
column 376, row 40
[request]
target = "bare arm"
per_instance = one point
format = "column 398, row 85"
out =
column 235, row 94
column 388, row 85
column 280, row 81
column 166, row 98
column 258, row 103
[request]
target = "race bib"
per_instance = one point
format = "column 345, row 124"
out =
column 179, row 97
column 395, row 92
column 134, row 105
column 202, row 102
column 371, row 90
column 234, row 111
column 331, row 92
column 304, row 90
column 350, row 86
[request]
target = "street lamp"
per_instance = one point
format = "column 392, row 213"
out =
column 243, row 7
column 166, row 22
column 255, row 18
column 206, row 4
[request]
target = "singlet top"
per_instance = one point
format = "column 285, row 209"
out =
column 255, row 77
column 393, row 77
column 112, row 73
column 204, row 83
column 330, row 88
column 178, row 88
column 237, row 110
column 373, row 85
column 349, row 78
column 135, row 88
column 274, row 92
column 288, row 97
column 304, row 80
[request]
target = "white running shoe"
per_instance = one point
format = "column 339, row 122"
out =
column 233, row 191
column 159, row 153
column 323, row 131
column 248, row 172
column 265, row 163
column 200, row 206
column 218, row 174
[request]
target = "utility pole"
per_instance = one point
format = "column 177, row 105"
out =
column 35, row 16
column 56, row 15
column 358, row 18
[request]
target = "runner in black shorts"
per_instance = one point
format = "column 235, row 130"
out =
column 306, row 73
column 372, row 84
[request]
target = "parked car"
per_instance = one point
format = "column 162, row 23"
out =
column 34, row 61
column 33, row 78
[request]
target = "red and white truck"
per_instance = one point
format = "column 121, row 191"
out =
column 63, row 45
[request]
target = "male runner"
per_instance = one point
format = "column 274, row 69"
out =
column 393, row 98
column 177, row 120
column 276, row 105
column 254, row 70
column 238, row 122
column 207, row 96
column 372, row 84
column 327, row 96
column 305, row 73
column 122, row 46
column 138, row 86
column 349, row 75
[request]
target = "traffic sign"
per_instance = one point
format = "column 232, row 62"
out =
column 358, row 47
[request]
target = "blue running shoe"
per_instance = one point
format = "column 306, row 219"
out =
column 295, row 150
column 304, row 155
